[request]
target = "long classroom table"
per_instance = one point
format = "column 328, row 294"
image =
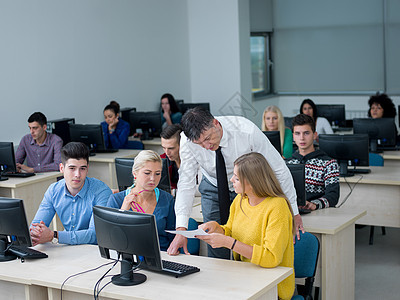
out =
column 377, row 192
column 217, row 279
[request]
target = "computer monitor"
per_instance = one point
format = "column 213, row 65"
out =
column 149, row 122
column 288, row 122
column 185, row 106
column 299, row 179
column 275, row 139
column 381, row 132
column 335, row 114
column 7, row 158
column 124, row 115
column 60, row 127
column 89, row 134
column 134, row 236
column 13, row 226
column 348, row 150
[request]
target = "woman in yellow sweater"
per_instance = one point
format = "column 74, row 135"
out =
column 260, row 225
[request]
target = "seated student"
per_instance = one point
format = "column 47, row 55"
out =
column 381, row 106
column 145, row 197
column 72, row 198
column 115, row 130
column 322, row 125
column 273, row 121
column 322, row 172
column 170, row 111
column 260, row 225
column 170, row 139
column 40, row 148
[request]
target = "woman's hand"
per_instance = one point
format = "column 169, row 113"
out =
column 129, row 199
column 217, row 240
column 212, row 227
column 112, row 126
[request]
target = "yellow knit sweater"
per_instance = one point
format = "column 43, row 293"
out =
column 268, row 228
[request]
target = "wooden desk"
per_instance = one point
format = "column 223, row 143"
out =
column 154, row 144
column 30, row 189
column 378, row 193
column 334, row 228
column 391, row 158
column 102, row 166
column 217, row 279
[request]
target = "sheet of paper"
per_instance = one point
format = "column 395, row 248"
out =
column 188, row 233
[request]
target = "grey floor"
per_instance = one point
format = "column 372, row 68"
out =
column 377, row 265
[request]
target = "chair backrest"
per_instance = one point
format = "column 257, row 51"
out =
column 193, row 245
column 376, row 160
column 123, row 168
column 306, row 252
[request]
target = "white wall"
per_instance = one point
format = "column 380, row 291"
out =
column 70, row 58
column 220, row 54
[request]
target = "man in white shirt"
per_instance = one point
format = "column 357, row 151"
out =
column 202, row 136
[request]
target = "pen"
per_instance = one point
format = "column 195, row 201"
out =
column 136, row 206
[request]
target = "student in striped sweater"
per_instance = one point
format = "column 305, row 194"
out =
column 260, row 225
column 322, row 172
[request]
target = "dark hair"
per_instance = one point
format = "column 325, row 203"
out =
column 38, row 117
column 75, row 150
column 302, row 119
column 389, row 110
column 113, row 106
column 195, row 121
column 172, row 103
column 312, row 104
column 172, row 131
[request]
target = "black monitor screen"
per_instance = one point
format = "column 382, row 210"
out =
column 381, row 132
column 89, row 134
column 133, row 235
column 299, row 179
column 7, row 158
column 149, row 122
column 348, row 150
column 185, row 106
column 124, row 114
column 275, row 139
column 335, row 114
column 123, row 169
column 288, row 122
column 13, row 226
column 60, row 127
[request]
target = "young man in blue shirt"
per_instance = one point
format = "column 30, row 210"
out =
column 72, row 198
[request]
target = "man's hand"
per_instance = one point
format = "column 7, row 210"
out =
column 21, row 167
column 309, row 205
column 40, row 233
column 298, row 224
column 179, row 242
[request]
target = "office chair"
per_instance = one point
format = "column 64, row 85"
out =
column 375, row 160
column 193, row 245
column 123, row 168
column 306, row 252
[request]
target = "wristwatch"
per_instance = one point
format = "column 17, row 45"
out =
column 55, row 237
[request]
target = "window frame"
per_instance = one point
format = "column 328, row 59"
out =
column 268, row 67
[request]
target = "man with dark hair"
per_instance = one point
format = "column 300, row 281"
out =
column 321, row 171
column 213, row 144
column 170, row 138
column 72, row 198
column 40, row 149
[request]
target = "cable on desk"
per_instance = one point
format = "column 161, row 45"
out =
column 351, row 190
column 83, row 272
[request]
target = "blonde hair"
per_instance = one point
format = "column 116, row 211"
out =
column 254, row 169
column 281, row 122
column 143, row 157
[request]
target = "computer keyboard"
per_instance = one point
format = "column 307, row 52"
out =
column 178, row 269
column 26, row 252
column 18, row 174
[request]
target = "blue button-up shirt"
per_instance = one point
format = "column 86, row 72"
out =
column 75, row 212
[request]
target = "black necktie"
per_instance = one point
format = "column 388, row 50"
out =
column 223, row 189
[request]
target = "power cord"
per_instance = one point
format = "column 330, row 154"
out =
column 351, row 190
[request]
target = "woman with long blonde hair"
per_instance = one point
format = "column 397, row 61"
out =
column 273, row 121
column 260, row 225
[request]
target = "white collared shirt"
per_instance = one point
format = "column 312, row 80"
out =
column 239, row 136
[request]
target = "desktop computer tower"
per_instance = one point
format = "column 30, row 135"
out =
column 60, row 127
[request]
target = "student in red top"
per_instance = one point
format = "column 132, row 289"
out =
column 170, row 139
